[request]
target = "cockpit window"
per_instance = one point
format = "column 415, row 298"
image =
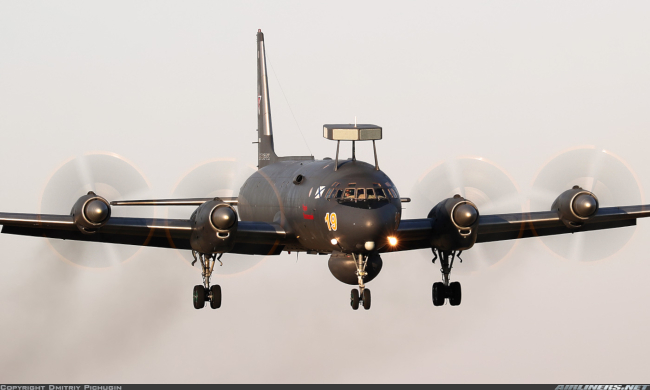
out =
column 329, row 193
column 365, row 198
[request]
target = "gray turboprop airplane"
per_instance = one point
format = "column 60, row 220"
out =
column 348, row 209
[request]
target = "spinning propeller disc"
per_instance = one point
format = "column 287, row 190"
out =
column 218, row 177
column 606, row 175
column 483, row 182
column 108, row 175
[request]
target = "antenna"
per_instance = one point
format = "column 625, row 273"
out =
column 347, row 132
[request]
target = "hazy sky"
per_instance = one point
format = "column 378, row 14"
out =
column 171, row 85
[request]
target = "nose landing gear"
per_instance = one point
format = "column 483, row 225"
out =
column 445, row 290
column 205, row 293
column 362, row 295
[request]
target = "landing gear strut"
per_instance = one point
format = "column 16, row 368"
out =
column 205, row 293
column 443, row 290
column 363, row 294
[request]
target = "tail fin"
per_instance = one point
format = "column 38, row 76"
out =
column 266, row 153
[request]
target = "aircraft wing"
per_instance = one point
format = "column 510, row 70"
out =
column 252, row 237
column 417, row 233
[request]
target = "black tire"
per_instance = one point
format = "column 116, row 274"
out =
column 199, row 297
column 455, row 297
column 354, row 299
column 438, row 294
column 366, row 299
column 215, row 301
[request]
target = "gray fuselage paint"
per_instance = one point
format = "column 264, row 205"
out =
column 270, row 195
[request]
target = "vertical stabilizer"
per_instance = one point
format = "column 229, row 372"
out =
column 266, row 153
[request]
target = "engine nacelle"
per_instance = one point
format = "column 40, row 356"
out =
column 575, row 206
column 90, row 213
column 344, row 269
column 214, row 226
column 455, row 222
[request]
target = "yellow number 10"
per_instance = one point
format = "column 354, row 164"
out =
column 330, row 220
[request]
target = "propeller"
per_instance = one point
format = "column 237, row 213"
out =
column 596, row 170
column 110, row 176
column 481, row 181
column 218, row 177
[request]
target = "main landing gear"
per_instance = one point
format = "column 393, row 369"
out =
column 205, row 293
column 443, row 290
column 362, row 295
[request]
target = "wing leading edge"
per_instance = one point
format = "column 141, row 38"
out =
column 417, row 233
column 252, row 237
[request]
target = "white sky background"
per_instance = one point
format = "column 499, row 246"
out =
column 170, row 85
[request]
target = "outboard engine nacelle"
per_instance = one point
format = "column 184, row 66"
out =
column 90, row 213
column 575, row 206
column 343, row 267
column 455, row 222
column 214, row 226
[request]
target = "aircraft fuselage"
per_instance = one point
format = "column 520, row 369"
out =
column 356, row 205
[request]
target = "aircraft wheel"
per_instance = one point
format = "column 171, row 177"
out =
column 366, row 299
column 354, row 299
column 438, row 293
column 199, row 297
column 215, row 301
column 454, row 299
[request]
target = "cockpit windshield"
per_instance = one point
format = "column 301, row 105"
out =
column 371, row 198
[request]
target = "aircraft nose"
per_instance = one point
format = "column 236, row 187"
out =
column 367, row 230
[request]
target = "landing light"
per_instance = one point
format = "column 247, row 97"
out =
column 392, row 241
column 334, row 241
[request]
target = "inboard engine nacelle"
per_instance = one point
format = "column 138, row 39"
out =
column 90, row 213
column 214, row 226
column 455, row 222
column 575, row 206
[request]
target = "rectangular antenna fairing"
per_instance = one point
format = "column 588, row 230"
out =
column 352, row 133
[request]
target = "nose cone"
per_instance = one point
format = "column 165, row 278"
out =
column 223, row 218
column 585, row 205
column 96, row 211
column 465, row 215
column 364, row 230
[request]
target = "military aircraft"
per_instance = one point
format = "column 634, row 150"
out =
column 348, row 209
